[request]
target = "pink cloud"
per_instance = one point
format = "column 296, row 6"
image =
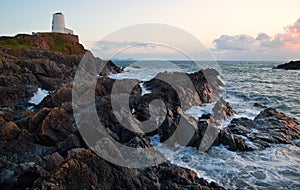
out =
column 291, row 36
column 289, row 39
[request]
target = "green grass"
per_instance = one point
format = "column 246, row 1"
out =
column 55, row 42
column 9, row 42
column 59, row 44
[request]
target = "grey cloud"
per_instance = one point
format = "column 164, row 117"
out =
column 238, row 42
column 267, row 41
column 295, row 27
column 290, row 38
column 107, row 45
column 262, row 36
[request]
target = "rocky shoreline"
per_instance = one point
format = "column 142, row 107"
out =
column 43, row 149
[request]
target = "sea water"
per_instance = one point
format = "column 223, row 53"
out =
column 277, row 167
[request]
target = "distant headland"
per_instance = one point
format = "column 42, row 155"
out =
column 292, row 65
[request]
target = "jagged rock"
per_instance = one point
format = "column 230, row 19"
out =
column 51, row 161
column 58, row 98
column 207, row 84
column 110, row 68
column 14, row 94
column 16, row 112
column 269, row 127
column 259, row 105
column 221, row 111
column 7, row 114
column 25, row 135
column 2, row 121
column 51, row 126
column 138, row 142
column 231, row 141
column 27, row 113
column 18, row 160
column 95, row 173
column 73, row 141
column 18, row 151
column 182, row 87
column 205, row 126
column 24, row 122
column 37, row 119
column 37, row 148
column 26, row 69
column 9, row 131
column 55, row 127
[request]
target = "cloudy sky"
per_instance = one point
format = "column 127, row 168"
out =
column 231, row 29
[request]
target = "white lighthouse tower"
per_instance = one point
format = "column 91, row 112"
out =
column 58, row 24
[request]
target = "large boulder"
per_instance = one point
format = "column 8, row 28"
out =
column 51, row 126
column 269, row 127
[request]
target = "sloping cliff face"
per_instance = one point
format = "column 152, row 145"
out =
column 43, row 60
column 30, row 61
column 42, row 149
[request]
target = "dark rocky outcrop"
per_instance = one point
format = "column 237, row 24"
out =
column 193, row 89
column 95, row 173
column 269, row 127
column 221, row 110
column 43, row 149
column 26, row 163
column 292, row 65
column 43, row 60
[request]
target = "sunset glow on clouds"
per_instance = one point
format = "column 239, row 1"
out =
column 281, row 46
column 289, row 39
column 231, row 29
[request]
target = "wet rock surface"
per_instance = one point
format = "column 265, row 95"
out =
column 269, row 127
column 95, row 173
column 43, row 149
column 42, row 158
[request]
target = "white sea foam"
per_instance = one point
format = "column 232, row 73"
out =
column 147, row 70
column 198, row 111
column 277, row 167
column 155, row 140
column 144, row 90
column 38, row 96
column 263, row 169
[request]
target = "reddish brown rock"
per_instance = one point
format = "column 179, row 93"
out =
column 58, row 98
column 2, row 121
column 83, row 169
column 27, row 113
column 56, row 127
column 51, row 161
column 25, row 135
column 38, row 118
column 9, row 131
column 7, row 114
